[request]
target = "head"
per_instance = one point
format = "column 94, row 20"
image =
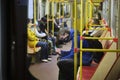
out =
column 67, row 15
column 98, row 16
column 29, row 20
column 30, row 23
column 96, row 21
column 63, row 34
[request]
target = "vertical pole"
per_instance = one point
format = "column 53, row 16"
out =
column 38, row 9
column 75, row 39
column 48, row 16
column 59, row 13
column 40, row 3
column 81, row 26
column 91, row 9
column 34, row 20
column 86, row 18
column 34, row 11
column 53, row 17
column 63, row 14
column 118, row 24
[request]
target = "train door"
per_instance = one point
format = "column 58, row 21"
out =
column 16, row 39
column 3, row 36
column 0, row 45
column 1, row 40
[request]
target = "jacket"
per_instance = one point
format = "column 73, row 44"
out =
column 32, row 39
column 86, row 57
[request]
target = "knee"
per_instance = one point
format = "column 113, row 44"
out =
column 45, row 44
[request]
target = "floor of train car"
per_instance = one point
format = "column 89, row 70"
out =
column 48, row 71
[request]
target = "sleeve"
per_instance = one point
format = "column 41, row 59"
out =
column 71, row 52
column 68, row 54
column 39, row 34
column 31, row 36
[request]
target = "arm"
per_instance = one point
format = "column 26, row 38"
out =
column 71, row 52
column 68, row 54
column 31, row 35
column 39, row 34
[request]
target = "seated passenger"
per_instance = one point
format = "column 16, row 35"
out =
column 33, row 41
column 66, row 58
column 42, row 26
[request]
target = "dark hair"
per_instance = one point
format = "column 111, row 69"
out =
column 96, row 21
column 28, row 20
column 63, row 31
column 44, row 19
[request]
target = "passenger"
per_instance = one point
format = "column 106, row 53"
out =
column 56, row 25
column 92, row 28
column 42, row 24
column 61, row 40
column 66, row 58
column 43, row 38
column 43, row 27
column 67, row 21
column 33, row 41
column 50, row 39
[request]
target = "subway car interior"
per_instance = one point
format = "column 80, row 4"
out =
column 60, row 40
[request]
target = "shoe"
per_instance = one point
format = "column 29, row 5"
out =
column 49, row 59
column 45, row 60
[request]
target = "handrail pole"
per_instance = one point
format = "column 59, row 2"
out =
column 81, row 26
column 75, row 39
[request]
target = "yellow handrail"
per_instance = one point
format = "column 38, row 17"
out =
column 65, row 1
column 48, row 17
column 81, row 26
column 100, row 50
column 34, row 11
column 75, row 39
column 86, row 9
column 97, row 25
column 100, row 38
column 59, row 12
column 91, row 8
column 99, row 28
column 53, row 17
column 63, row 13
column 34, row 20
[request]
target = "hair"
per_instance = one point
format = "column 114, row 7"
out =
column 63, row 31
column 96, row 21
column 28, row 20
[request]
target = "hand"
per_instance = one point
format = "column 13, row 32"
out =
column 34, row 25
column 58, row 51
column 58, row 26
